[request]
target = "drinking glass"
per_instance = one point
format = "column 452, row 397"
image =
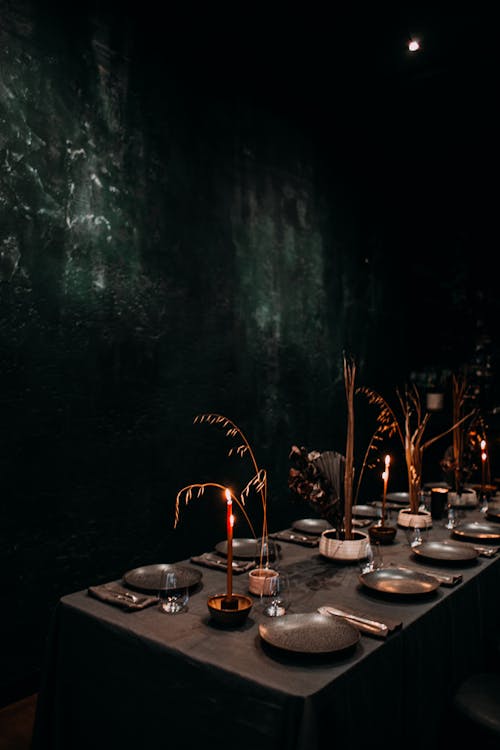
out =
column 415, row 534
column 451, row 516
column 370, row 558
column 278, row 600
column 173, row 597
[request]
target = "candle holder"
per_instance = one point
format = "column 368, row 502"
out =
column 382, row 534
column 229, row 611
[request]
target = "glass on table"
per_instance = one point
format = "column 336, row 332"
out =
column 277, row 601
column 370, row 558
column 451, row 516
column 173, row 596
column 416, row 533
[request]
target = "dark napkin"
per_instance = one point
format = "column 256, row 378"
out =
column 445, row 579
column 295, row 537
column 211, row 560
column 114, row 593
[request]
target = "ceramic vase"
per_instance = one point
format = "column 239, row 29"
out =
column 346, row 550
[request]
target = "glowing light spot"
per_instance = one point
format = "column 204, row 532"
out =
column 413, row 45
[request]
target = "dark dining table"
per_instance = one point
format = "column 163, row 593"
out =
column 144, row 679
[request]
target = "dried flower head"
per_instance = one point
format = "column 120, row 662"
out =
column 257, row 483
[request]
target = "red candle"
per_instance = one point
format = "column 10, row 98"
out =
column 230, row 524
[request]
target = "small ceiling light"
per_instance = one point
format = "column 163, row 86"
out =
column 413, row 45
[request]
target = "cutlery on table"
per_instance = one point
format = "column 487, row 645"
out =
column 221, row 561
column 363, row 623
column 126, row 595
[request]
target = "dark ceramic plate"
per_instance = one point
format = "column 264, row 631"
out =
column 310, row 633
column 388, row 505
column 311, row 525
column 366, row 511
column 245, row 549
column 400, row 581
column 149, row 577
column 402, row 498
column 477, row 530
column 493, row 512
column 451, row 552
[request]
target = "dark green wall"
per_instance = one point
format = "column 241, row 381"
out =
column 169, row 244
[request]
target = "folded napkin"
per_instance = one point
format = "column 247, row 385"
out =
column 444, row 579
column 114, row 593
column 295, row 537
column 371, row 625
column 486, row 551
column 360, row 523
column 211, row 560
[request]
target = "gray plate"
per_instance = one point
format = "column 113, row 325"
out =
column 388, row 505
column 311, row 525
column 477, row 530
column 245, row 549
column 493, row 512
column 366, row 511
column 399, row 581
column 402, row 498
column 310, row 633
column 446, row 551
column 149, row 577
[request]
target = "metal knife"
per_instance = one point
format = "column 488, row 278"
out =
column 370, row 626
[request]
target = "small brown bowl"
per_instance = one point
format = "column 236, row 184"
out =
column 382, row 534
column 229, row 612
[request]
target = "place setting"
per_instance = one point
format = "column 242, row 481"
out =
column 148, row 585
column 304, row 531
column 312, row 636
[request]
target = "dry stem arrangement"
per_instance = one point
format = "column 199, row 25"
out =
column 320, row 477
column 349, row 378
column 459, row 464
column 410, row 428
column 257, row 483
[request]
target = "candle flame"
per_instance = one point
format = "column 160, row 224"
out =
column 228, row 497
column 387, row 461
column 483, row 445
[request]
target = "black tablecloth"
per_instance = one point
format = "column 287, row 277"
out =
column 146, row 679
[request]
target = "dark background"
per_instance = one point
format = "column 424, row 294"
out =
column 201, row 210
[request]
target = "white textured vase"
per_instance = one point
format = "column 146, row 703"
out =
column 467, row 498
column 421, row 520
column 259, row 581
column 343, row 549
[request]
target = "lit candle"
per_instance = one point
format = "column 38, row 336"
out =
column 385, row 477
column 230, row 524
column 484, row 458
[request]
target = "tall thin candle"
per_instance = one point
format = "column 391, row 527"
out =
column 484, row 458
column 385, row 477
column 230, row 524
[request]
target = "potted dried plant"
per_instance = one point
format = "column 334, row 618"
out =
column 410, row 428
column 325, row 480
column 458, row 461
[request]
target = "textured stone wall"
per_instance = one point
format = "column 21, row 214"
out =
column 168, row 246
